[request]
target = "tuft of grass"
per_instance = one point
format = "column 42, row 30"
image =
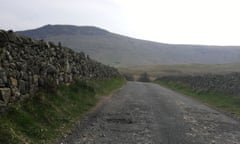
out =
column 46, row 116
column 228, row 103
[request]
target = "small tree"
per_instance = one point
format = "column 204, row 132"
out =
column 129, row 77
column 144, row 77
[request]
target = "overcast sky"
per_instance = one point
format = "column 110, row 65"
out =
column 212, row 22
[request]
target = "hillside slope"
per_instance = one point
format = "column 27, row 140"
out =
column 117, row 50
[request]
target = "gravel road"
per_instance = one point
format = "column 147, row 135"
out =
column 146, row 113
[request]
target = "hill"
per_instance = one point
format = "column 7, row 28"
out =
column 122, row 51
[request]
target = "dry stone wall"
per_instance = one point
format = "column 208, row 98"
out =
column 27, row 65
column 228, row 84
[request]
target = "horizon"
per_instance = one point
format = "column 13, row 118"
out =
column 193, row 23
column 125, row 35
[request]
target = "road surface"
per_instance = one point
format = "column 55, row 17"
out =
column 146, row 113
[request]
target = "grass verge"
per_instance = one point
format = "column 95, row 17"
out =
column 227, row 103
column 46, row 116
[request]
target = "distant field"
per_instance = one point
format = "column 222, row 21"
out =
column 181, row 69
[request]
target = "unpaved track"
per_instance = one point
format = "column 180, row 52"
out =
column 146, row 113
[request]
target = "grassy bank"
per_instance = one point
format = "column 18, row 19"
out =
column 228, row 103
column 46, row 116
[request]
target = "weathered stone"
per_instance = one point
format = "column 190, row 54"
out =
column 22, row 87
column 14, row 82
column 3, row 36
column 3, row 78
column 5, row 94
column 61, row 77
column 51, row 70
column 2, row 84
column 25, row 75
column 12, row 66
column 15, row 94
column 12, row 36
column 2, row 73
column 67, row 66
column 35, row 79
column 52, row 44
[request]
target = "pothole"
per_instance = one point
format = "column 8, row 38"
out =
column 120, row 120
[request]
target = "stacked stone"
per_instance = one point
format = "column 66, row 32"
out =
column 27, row 65
column 227, row 84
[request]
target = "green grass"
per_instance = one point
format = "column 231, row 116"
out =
column 228, row 103
column 46, row 116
